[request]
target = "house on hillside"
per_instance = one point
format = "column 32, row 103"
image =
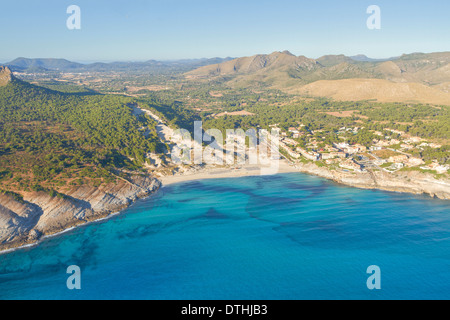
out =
column 412, row 162
column 350, row 164
column 398, row 159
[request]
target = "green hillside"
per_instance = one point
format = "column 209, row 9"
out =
column 50, row 139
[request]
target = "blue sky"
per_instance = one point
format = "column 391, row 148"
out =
column 135, row 30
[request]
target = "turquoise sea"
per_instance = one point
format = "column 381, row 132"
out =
column 287, row 236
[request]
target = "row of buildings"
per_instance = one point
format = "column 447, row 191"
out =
column 347, row 155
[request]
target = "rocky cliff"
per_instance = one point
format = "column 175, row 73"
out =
column 38, row 214
column 5, row 76
column 408, row 181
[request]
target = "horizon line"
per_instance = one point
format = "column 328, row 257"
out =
column 92, row 61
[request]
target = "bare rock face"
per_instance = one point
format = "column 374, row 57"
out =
column 5, row 76
column 16, row 218
column 40, row 214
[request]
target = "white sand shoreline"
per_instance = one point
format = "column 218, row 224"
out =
column 224, row 172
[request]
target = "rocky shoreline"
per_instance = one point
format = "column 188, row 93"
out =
column 407, row 182
column 40, row 215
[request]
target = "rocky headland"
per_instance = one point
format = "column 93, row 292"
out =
column 407, row 181
column 25, row 221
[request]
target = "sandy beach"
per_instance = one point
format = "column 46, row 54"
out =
column 409, row 182
column 228, row 172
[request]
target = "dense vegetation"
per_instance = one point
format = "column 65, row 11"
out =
column 420, row 120
column 50, row 139
column 322, row 116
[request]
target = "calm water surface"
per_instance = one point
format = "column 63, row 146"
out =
column 288, row 236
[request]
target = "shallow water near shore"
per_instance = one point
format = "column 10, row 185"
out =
column 287, row 236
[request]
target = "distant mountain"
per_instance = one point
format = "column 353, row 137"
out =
column 282, row 70
column 255, row 64
column 287, row 72
column 364, row 58
column 200, row 62
column 332, row 60
column 151, row 66
column 277, row 69
column 25, row 64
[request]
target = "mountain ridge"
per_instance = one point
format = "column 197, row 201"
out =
column 427, row 75
column 287, row 72
column 22, row 64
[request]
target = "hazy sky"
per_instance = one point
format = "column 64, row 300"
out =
column 175, row 29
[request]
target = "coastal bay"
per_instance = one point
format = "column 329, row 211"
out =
column 60, row 215
column 234, row 238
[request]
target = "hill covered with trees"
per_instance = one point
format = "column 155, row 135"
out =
column 50, row 139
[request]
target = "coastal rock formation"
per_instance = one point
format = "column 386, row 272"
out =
column 39, row 214
column 408, row 181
